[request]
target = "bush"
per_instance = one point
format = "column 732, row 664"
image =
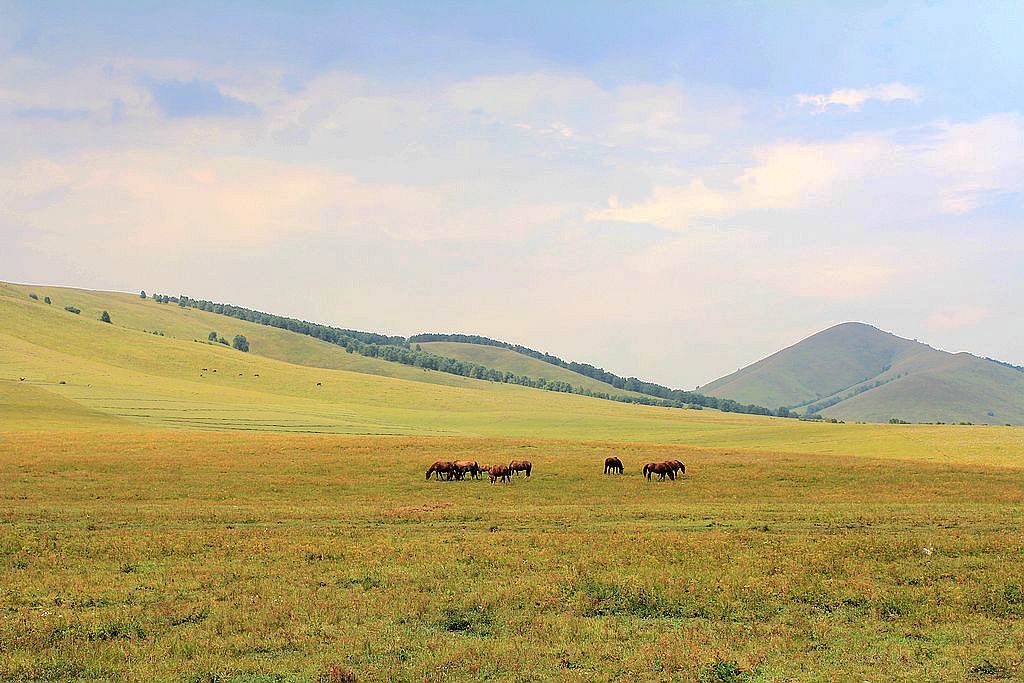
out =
column 33, row 296
column 212, row 336
column 240, row 343
column 72, row 309
column 142, row 294
column 47, row 300
column 105, row 317
column 223, row 341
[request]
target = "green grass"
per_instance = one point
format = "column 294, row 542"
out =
column 159, row 521
column 181, row 555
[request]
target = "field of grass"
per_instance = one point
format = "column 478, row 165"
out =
column 262, row 557
column 162, row 521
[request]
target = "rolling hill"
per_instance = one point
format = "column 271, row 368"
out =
column 854, row 371
column 63, row 371
column 511, row 361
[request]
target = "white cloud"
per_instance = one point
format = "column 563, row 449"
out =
column 854, row 98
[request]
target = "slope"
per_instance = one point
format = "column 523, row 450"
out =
column 855, row 371
column 520, row 364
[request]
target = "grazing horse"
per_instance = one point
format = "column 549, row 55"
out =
column 467, row 466
column 678, row 467
column 444, row 467
column 661, row 469
column 517, row 466
column 500, row 473
column 613, row 465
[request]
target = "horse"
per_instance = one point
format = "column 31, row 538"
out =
column 517, row 466
column 661, row 469
column 613, row 465
column 679, row 467
column 499, row 472
column 444, row 467
column 467, row 466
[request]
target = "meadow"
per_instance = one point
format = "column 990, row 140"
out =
column 162, row 522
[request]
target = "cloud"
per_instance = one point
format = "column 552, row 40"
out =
column 178, row 99
column 955, row 318
column 854, row 98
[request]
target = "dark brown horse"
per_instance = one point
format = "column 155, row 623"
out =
column 661, row 469
column 500, row 473
column 442, row 467
column 613, row 465
column 679, row 467
column 465, row 467
column 517, row 466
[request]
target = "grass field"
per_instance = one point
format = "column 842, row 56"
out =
column 159, row 521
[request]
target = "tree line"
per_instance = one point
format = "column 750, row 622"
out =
column 668, row 396
column 398, row 350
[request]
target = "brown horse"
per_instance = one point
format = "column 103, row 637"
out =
column 661, row 469
column 613, row 465
column 465, row 467
column 679, row 467
column 445, row 467
column 517, row 466
column 500, row 473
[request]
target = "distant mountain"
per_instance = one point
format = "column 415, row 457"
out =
column 854, row 371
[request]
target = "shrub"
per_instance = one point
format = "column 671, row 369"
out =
column 212, row 336
column 142, row 294
column 72, row 309
column 47, row 300
column 105, row 317
column 222, row 340
column 240, row 343
column 33, row 296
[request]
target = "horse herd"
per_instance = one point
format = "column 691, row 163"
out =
column 457, row 470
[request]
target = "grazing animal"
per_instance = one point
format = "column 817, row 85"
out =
column 500, row 473
column 470, row 467
column 613, row 465
column 517, row 466
column 318, row 384
column 661, row 469
column 442, row 467
column 680, row 468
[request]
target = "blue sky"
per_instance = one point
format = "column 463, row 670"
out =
column 671, row 190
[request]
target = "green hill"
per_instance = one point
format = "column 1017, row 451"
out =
column 511, row 361
column 59, row 370
column 855, row 371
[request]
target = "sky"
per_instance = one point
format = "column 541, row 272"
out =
column 668, row 190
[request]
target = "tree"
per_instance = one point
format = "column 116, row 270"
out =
column 47, row 300
column 222, row 340
column 33, row 296
column 212, row 336
column 240, row 343
column 72, row 309
column 142, row 294
column 105, row 317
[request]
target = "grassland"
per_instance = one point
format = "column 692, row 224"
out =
column 159, row 521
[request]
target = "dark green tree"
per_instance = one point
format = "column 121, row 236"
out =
column 33, row 296
column 47, row 300
column 105, row 317
column 212, row 336
column 142, row 294
column 240, row 343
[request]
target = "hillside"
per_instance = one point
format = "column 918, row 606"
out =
column 855, row 371
column 80, row 373
column 505, row 359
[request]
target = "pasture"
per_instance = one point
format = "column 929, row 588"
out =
column 184, row 555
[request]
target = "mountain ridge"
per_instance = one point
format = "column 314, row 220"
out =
column 856, row 371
